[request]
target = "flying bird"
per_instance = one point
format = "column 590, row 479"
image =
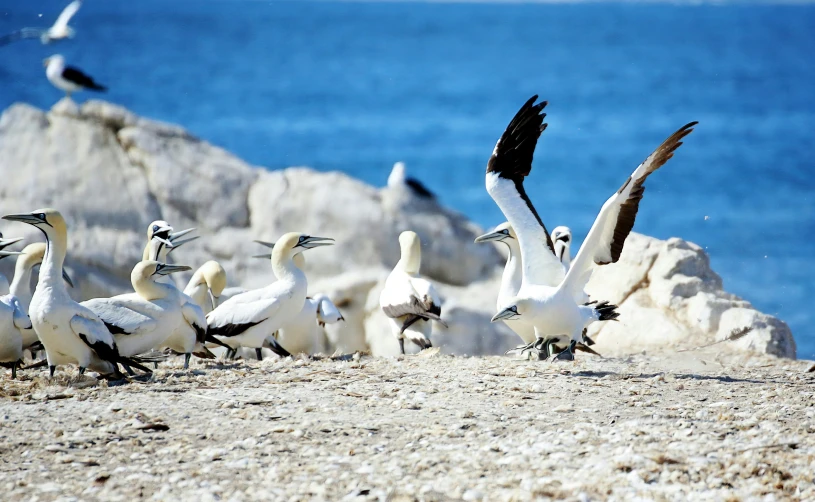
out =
column 58, row 31
column 68, row 78
column 555, row 311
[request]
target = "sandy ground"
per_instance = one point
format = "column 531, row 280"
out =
column 426, row 427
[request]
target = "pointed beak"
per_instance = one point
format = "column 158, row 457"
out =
column 4, row 243
column 267, row 244
column 492, row 236
column 214, row 299
column 264, row 256
column 3, row 254
column 67, row 278
column 177, row 244
column 166, row 269
column 23, row 218
column 507, row 313
column 314, row 242
column 180, row 233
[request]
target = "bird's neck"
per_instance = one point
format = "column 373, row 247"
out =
column 155, row 251
column 285, row 269
column 152, row 290
column 22, row 278
column 513, row 273
column 563, row 254
column 56, row 247
column 198, row 292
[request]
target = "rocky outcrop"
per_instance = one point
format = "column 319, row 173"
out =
column 111, row 173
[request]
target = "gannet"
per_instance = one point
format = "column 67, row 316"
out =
column 558, row 311
column 142, row 320
column 511, row 283
column 70, row 332
column 13, row 321
column 409, row 301
column 304, row 334
column 4, row 243
column 68, row 78
column 511, row 278
column 562, row 240
column 247, row 319
column 206, row 285
column 398, row 178
column 31, row 256
column 161, row 240
column 58, row 31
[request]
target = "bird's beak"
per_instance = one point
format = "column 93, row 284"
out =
column 67, row 278
column 3, row 254
column 180, row 233
column 267, row 244
column 46, row 61
column 492, row 236
column 166, row 269
column 214, row 299
column 4, row 243
column 264, row 256
column 507, row 313
column 23, row 218
column 177, row 244
column 314, row 242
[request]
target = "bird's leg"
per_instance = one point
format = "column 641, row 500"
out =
column 14, row 370
column 129, row 370
column 568, row 354
column 402, row 345
column 259, row 353
column 51, row 370
column 81, row 370
column 155, row 365
column 187, row 360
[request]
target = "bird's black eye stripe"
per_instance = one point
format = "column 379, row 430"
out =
column 505, row 231
column 514, row 309
column 40, row 216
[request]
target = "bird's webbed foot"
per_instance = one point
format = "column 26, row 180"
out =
column 566, row 355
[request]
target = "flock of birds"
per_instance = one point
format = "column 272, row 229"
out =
column 541, row 297
column 62, row 76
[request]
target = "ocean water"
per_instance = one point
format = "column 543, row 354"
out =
column 356, row 86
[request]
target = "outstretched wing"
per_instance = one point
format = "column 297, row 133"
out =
column 65, row 16
column 401, row 299
column 20, row 35
column 604, row 242
column 510, row 163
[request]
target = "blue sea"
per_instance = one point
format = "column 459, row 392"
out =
column 356, row 86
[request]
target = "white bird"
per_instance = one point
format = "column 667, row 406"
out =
column 142, row 320
column 562, row 239
column 512, row 278
column 31, row 256
column 68, row 78
column 398, row 179
column 5, row 287
column 304, row 333
column 70, row 332
column 161, row 240
column 58, row 31
column 206, row 285
column 247, row 319
column 409, row 301
column 558, row 311
column 13, row 320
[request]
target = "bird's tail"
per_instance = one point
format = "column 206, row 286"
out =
column 212, row 339
column 278, row 349
column 603, row 311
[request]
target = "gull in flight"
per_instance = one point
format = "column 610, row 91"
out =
column 409, row 301
column 558, row 311
column 70, row 332
column 68, row 78
column 58, row 31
